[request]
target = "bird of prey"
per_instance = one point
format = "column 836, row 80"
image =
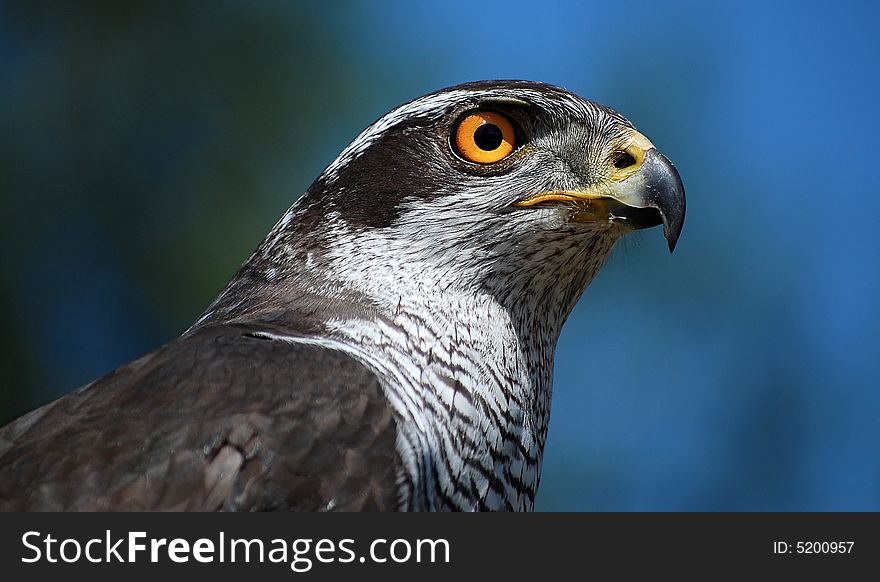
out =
column 389, row 345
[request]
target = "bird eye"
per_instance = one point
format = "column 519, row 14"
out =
column 484, row 137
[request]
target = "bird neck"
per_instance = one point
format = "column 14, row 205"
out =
column 470, row 400
column 467, row 366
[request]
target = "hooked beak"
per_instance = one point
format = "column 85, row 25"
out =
column 644, row 193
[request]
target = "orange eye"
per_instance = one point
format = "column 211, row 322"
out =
column 485, row 137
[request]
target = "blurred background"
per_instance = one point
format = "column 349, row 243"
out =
column 148, row 147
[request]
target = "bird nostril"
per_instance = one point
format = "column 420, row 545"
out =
column 623, row 159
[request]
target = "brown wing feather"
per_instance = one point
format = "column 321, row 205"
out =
column 216, row 420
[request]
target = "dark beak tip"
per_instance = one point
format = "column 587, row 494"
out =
column 672, row 228
column 671, row 239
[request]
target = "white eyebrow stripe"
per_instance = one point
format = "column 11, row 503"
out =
column 374, row 132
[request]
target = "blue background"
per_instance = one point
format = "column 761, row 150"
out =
column 146, row 150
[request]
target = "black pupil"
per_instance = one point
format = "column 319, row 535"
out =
column 623, row 160
column 488, row 137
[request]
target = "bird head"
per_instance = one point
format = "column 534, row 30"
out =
column 501, row 172
column 514, row 187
